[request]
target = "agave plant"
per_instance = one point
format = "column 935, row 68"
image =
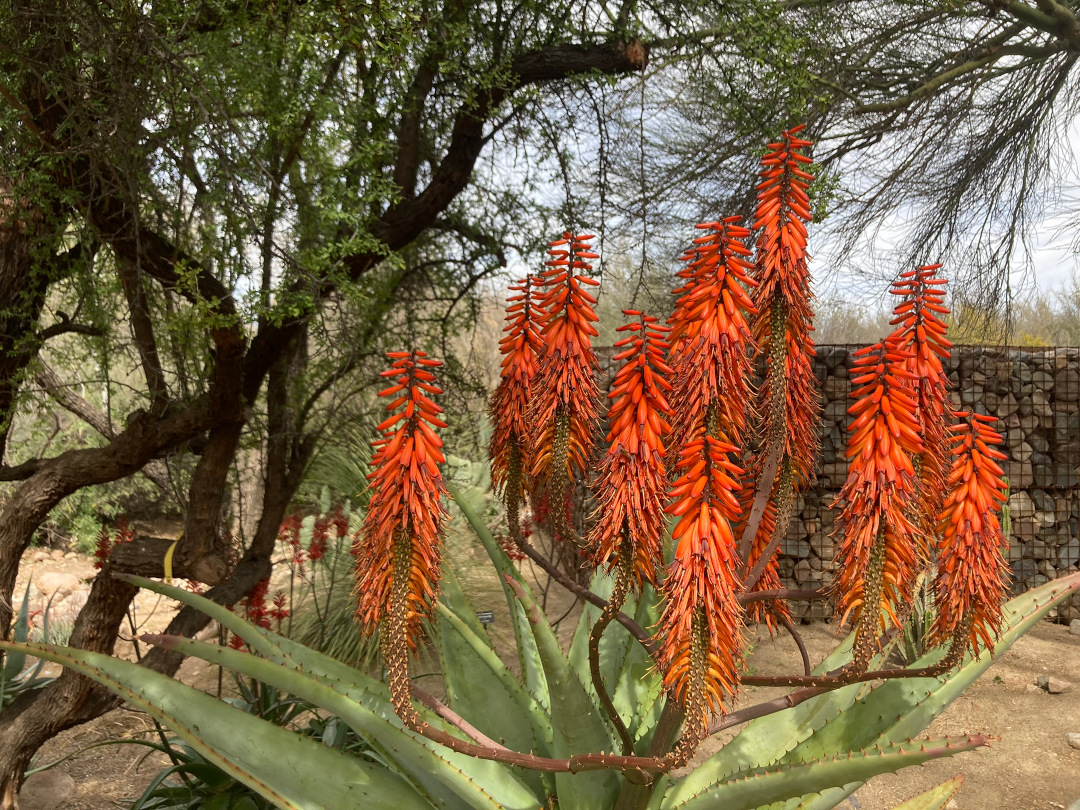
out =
column 694, row 495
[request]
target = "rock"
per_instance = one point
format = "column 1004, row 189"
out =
column 1073, row 739
column 46, row 790
column 1074, row 627
column 40, row 556
column 58, row 554
column 57, row 582
column 1055, row 686
column 71, row 555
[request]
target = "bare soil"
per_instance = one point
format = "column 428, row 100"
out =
column 1030, row 767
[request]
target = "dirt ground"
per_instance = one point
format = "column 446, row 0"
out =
column 1031, row 767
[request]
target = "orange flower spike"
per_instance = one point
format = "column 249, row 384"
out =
column 880, row 548
column 565, row 392
column 520, row 347
column 632, row 486
column 921, row 330
column 702, row 623
column 710, row 337
column 398, row 550
column 972, row 571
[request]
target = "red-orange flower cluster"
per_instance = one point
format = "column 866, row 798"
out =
column 921, row 331
column 399, row 547
column 785, row 319
column 564, row 407
column 788, row 399
column 632, row 487
column 509, row 407
column 972, row 571
column 880, row 547
column 710, row 337
column 701, row 627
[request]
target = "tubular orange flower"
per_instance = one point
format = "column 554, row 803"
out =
column 701, row 627
column 920, row 330
column 509, row 406
column 398, row 551
column 972, row 572
column 565, row 392
column 710, row 338
column 788, row 398
column 880, row 547
column 632, row 486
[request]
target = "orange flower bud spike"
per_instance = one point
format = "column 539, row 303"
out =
column 702, row 623
column 710, row 337
column 565, row 392
column 399, row 548
column 509, row 406
column 788, row 399
column 880, row 547
column 921, row 331
column 632, row 486
column 972, row 572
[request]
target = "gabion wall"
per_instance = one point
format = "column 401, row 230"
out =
column 1036, row 397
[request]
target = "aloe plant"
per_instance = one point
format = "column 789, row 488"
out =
column 811, row 755
column 694, row 494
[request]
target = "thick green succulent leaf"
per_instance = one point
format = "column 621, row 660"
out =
column 15, row 661
column 934, row 799
column 640, row 687
column 447, row 778
column 903, row 707
column 286, row 768
column 346, row 680
column 765, row 740
column 578, row 726
column 532, row 669
column 757, row 788
column 480, row 687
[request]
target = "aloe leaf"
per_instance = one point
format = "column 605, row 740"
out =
column 915, row 702
column 761, row 787
column 639, row 688
column 14, row 662
column 480, row 687
column 346, row 680
column 476, row 676
column 437, row 771
column 903, row 707
column 532, row 668
column 934, row 799
column 286, row 768
column 577, row 724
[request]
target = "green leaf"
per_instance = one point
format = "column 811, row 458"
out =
column 353, row 684
column 531, row 667
column 481, row 688
column 934, row 799
column 286, row 768
column 14, row 662
column 577, row 723
column 755, row 788
column 447, row 778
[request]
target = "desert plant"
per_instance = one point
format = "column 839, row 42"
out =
column 693, row 559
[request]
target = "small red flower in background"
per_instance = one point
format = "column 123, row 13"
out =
column 880, row 548
column 972, row 572
column 104, row 548
column 565, row 392
column 509, row 407
column 400, row 548
column 632, row 486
